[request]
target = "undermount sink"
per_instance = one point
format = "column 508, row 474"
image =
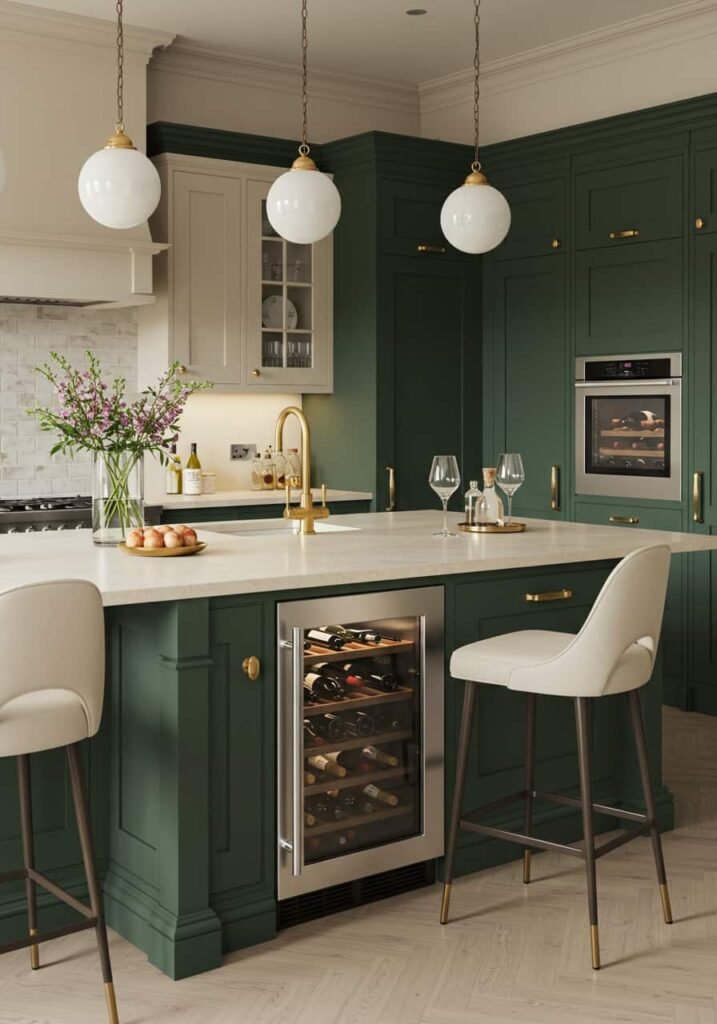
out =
column 273, row 527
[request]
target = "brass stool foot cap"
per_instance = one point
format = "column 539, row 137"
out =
column 445, row 902
column 34, row 953
column 595, row 946
column 111, row 1003
column 526, row 867
column 666, row 907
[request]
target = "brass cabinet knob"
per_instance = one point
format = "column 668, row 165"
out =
column 699, row 223
column 252, row 668
column 256, row 373
column 181, row 369
column 555, row 243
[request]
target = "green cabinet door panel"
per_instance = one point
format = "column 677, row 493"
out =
column 539, row 217
column 704, row 190
column 242, row 779
column 630, row 299
column 410, row 219
column 529, row 379
column 429, row 384
column 643, row 196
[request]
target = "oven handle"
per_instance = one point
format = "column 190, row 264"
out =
column 673, row 382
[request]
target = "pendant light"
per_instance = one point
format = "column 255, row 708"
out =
column 303, row 205
column 476, row 217
column 118, row 186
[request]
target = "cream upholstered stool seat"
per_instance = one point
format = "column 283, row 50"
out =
column 51, row 695
column 613, row 653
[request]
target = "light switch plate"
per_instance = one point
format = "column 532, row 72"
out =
column 242, row 452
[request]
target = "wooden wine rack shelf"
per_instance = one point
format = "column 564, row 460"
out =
column 365, row 698
column 633, row 433
column 356, row 821
column 356, row 781
column 350, row 651
column 361, row 741
column 634, row 453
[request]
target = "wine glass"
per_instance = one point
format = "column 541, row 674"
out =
column 445, row 480
column 509, row 476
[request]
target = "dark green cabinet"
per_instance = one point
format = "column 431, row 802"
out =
column 704, row 185
column 242, row 812
column 539, row 216
column 526, row 355
column 410, row 219
column 637, row 200
column 630, row 298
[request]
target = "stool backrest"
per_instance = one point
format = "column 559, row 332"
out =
column 52, row 637
column 628, row 610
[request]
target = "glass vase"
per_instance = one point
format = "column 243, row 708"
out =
column 117, row 496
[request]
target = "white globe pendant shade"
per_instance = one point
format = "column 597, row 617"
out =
column 303, row 205
column 3, row 171
column 475, row 217
column 119, row 187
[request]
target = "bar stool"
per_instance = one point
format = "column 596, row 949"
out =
column 51, row 694
column 614, row 652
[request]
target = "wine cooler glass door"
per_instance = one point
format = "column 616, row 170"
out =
column 360, row 736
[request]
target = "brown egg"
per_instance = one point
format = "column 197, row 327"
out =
column 153, row 539
column 173, row 540
column 135, row 539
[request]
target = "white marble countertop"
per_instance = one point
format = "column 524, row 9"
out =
column 263, row 555
column 228, row 499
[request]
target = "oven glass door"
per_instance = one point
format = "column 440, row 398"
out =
column 628, row 435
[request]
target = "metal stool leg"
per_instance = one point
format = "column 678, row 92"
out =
column 462, row 762
column 28, row 850
column 638, row 728
column 530, row 703
column 88, row 856
column 583, row 733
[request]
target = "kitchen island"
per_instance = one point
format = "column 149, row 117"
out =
column 183, row 772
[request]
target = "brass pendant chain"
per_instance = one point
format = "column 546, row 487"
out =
column 304, row 147
column 120, row 69
column 476, row 87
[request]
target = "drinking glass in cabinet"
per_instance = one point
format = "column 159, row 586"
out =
column 510, row 475
column 445, row 479
column 272, row 350
column 299, row 351
column 298, row 263
column 271, row 256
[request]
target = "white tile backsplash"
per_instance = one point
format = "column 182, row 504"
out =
column 28, row 334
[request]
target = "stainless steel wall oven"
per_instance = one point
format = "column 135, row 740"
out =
column 628, row 426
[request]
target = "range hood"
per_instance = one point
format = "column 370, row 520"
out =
column 57, row 89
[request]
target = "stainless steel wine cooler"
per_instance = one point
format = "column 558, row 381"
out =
column 360, row 736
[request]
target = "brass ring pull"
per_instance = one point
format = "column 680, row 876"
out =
column 550, row 595
column 555, row 243
column 391, row 470
column 629, row 520
column 555, row 488
column 697, row 482
column 699, row 223
column 439, row 249
column 629, row 233
column 252, row 668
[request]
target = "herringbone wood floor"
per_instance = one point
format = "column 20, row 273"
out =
column 510, row 953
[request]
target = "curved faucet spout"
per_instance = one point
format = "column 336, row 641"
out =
column 306, row 513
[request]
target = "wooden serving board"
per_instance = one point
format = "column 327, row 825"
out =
column 164, row 552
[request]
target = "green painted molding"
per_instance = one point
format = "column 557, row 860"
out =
column 196, row 140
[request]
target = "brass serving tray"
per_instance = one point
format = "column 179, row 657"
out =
column 492, row 528
column 194, row 549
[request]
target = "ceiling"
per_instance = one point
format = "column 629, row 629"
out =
column 371, row 38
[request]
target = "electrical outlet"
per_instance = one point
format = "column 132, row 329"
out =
column 242, row 452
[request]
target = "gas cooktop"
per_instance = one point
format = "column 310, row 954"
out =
column 22, row 505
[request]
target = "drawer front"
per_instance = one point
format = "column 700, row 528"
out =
column 638, row 517
column 636, row 202
column 410, row 218
column 539, row 218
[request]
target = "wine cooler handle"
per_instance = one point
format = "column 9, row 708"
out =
column 391, row 470
column 555, row 488
column 297, row 739
column 697, row 485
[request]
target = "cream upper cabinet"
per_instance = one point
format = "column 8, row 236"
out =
column 236, row 304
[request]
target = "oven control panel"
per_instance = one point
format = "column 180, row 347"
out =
column 627, row 369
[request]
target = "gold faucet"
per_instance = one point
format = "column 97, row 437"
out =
column 305, row 513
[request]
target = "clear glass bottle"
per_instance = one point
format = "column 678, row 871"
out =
column 493, row 504
column 268, row 471
column 472, row 501
column 173, row 473
column 256, row 472
column 293, row 464
column 279, row 471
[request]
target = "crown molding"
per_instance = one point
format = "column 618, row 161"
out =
column 614, row 43
column 186, row 58
column 53, row 26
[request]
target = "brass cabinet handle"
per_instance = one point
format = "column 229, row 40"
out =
column 256, row 373
column 439, row 249
column 630, row 520
column 550, row 595
column 252, row 668
column 391, row 470
column 629, row 233
column 555, row 243
column 699, row 223
column 697, row 485
column 555, row 488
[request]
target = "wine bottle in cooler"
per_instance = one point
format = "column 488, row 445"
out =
column 380, row 680
column 332, row 763
column 375, row 756
column 358, row 723
column 324, row 687
column 324, row 638
column 324, row 808
column 331, row 727
column 311, row 737
column 382, row 796
column 338, row 673
column 353, row 801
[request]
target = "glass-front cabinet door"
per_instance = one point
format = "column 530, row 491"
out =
column 289, row 305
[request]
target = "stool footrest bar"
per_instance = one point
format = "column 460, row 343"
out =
column 620, row 840
column 54, row 933
column 518, row 837
column 571, row 801
column 59, row 892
